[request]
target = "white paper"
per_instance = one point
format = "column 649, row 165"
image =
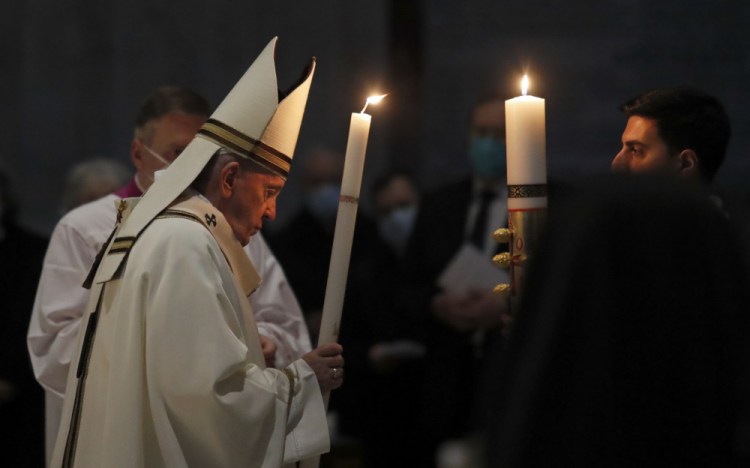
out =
column 471, row 269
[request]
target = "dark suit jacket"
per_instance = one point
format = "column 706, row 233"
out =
column 438, row 234
column 452, row 363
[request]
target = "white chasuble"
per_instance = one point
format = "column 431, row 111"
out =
column 175, row 374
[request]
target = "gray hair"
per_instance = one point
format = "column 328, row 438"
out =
column 92, row 179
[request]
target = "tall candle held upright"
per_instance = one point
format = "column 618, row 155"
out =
column 343, row 235
column 338, row 269
column 525, row 141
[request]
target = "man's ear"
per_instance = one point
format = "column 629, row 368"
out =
column 135, row 155
column 229, row 173
column 688, row 163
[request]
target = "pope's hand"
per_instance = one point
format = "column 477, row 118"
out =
column 328, row 364
column 269, row 351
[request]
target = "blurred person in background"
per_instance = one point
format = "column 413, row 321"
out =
column 303, row 245
column 90, row 180
column 383, row 356
column 21, row 399
column 457, row 325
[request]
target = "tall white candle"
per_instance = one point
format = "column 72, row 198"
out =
column 359, row 130
column 343, row 235
column 525, row 142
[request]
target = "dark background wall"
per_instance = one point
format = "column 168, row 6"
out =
column 74, row 73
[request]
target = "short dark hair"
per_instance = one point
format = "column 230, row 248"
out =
column 168, row 99
column 483, row 99
column 687, row 118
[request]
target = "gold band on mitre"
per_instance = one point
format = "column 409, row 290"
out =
column 246, row 146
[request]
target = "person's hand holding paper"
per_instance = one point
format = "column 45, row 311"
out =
column 466, row 302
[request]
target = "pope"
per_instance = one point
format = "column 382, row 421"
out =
column 170, row 370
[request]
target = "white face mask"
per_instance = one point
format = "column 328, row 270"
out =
column 396, row 227
column 153, row 176
column 156, row 155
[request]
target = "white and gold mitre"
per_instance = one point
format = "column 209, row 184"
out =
column 251, row 121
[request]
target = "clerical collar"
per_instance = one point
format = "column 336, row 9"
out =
column 130, row 190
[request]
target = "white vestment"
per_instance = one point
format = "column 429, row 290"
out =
column 60, row 301
column 175, row 376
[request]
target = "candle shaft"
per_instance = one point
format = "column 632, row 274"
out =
column 343, row 236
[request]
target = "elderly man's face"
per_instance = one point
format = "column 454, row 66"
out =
column 252, row 201
column 643, row 150
column 166, row 136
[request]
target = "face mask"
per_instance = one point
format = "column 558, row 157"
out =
column 151, row 177
column 156, row 155
column 323, row 201
column 396, row 227
column 488, row 157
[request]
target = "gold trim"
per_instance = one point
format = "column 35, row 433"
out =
column 272, row 158
column 527, row 191
column 501, row 288
column 122, row 243
column 289, row 375
column 246, row 144
column 246, row 147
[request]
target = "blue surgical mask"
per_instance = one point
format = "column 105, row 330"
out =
column 323, row 201
column 395, row 228
column 488, row 157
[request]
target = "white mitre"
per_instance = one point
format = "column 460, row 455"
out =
column 250, row 121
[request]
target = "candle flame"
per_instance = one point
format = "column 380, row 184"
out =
column 373, row 100
column 525, row 84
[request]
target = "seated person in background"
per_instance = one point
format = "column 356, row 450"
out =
column 383, row 358
column 457, row 323
column 396, row 201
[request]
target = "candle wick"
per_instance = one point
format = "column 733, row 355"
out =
column 364, row 108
